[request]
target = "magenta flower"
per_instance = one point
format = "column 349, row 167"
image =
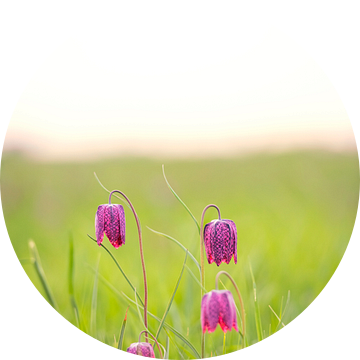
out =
column 220, row 239
column 218, row 307
column 142, row 349
column 110, row 218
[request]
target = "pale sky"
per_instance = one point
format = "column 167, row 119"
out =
column 186, row 91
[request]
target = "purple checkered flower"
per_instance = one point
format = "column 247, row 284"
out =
column 110, row 218
column 220, row 239
column 218, row 307
column 142, row 349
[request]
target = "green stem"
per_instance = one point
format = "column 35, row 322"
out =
column 203, row 268
column 239, row 296
column 141, row 254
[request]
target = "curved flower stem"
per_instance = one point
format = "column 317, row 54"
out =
column 202, row 266
column 240, row 299
column 202, row 245
column 141, row 254
column 144, row 331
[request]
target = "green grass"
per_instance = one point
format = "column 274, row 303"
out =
column 294, row 214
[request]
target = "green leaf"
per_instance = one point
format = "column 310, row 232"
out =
column 41, row 274
column 181, row 202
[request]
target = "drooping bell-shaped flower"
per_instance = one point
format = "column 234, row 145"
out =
column 218, row 307
column 142, row 349
column 110, row 219
column 220, row 239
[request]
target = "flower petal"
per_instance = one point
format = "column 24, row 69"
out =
column 218, row 307
column 213, row 310
column 100, row 224
column 121, row 239
column 204, row 319
column 233, row 239
column 226, row 313
column 112, row 225
column 221, row 242
column 233, row 242
column 147, row 350
column 233, row 307
column 142, row 349
column 209, row 231
column 132, row 349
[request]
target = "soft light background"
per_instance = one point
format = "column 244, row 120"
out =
column 190, row 91
column 225, row 100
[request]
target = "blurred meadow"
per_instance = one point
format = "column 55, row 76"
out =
column 294, row 213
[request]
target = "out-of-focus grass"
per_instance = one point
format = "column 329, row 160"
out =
column 294, row 214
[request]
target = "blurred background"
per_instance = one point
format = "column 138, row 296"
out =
column 249, row 123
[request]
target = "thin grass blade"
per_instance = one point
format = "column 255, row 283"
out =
column 286, row 305
column 121, row 199
column 171, row 299
column 282, row 314
column 175, row 345
column 71, row 281
column 41, row 274
column 166, row 325
column 181, row 337
column 94, row 301
column 224, row 343
column 141, row 317
column 122, row 331
column 119, row 267
column 170, row 328
column 179, row 244
column 138, row 309
column 181, row 202
column 195, row 278
column 259, row 329
column 167, row 352
column 280, row 322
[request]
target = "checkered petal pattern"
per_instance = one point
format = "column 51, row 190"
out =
column 110, row 219
column 142, row 349
column 218, row 307
column 220, row 239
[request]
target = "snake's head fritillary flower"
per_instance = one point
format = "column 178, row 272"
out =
column 220, row 238
column 218, row 307
column 142, row 349
column 110, row 219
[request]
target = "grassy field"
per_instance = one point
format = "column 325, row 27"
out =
column 294, row 214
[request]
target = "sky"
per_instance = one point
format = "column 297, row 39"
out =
column 211, row 91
